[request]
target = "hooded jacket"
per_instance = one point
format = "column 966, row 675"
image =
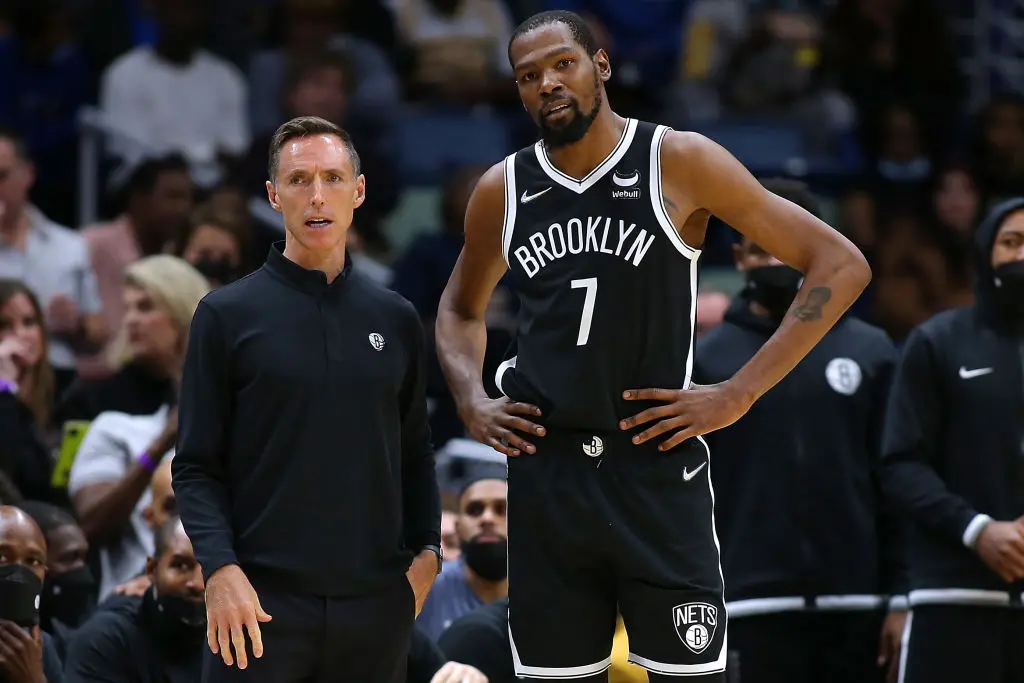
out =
column 800, row 517
column 953, row 449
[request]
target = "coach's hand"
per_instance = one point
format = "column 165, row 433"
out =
column 453, row 672
column 889, row 643
column 492, row 421
column 1001, row 546
column 421, row 575
column 689, row 413
column 231, row 606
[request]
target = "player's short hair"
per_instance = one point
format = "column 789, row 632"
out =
column 305, row 127
column 581, row 33
column 48, row 517
column 794, row 191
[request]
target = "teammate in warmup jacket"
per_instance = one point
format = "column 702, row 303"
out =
column 600, row 223
column 954, row 461
column 811, row 554
column 304, row 473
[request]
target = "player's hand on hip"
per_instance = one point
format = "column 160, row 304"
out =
column 232, row 609
column 453, row 672
column 1001, row 546
column 685, row 413
column 499, row 422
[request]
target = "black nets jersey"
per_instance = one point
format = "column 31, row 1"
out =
column 607, row 286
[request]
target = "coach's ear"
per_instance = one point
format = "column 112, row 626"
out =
column 360, row 192
column 272, row 196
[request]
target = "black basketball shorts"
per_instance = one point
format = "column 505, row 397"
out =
column 599, row 526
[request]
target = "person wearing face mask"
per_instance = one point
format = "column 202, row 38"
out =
column 162, row 639
column 479, row 575
column 69, row 591
column 27, row 653
column 810, row 554
column 954, row 458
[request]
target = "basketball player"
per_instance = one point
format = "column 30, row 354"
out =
column 601, row 224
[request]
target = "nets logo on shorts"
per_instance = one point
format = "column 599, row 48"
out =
column 594, row 447
column 695, row 624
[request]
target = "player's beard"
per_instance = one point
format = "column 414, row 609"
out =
column 577, row 126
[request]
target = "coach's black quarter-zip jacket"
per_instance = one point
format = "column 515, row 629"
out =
column 954, row 439
column 303, row 451
column 799, row 510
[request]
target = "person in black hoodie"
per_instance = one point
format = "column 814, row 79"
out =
column 809, row 554
column 954, row 462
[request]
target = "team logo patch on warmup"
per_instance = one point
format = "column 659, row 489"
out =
column 594, row 447
column 843, row 375
column 626, row 185
column 695, row 624
column 377, row 340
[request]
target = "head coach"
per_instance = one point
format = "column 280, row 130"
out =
column 304, row 473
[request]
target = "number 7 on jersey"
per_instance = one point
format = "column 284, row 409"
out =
column 589, row 284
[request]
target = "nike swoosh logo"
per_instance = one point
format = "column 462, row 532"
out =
column 527, row 198
column 970, row 374
column 626, row 182
column 687, row 476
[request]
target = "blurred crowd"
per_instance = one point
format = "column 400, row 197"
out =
column 181, row 97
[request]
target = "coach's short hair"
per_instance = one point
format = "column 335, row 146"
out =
column 581, row 33
column 305, row 127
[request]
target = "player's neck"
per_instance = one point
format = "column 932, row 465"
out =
column 330, row 262
column 580, row 158
column 487, row 591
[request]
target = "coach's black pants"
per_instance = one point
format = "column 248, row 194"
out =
column 807, row 647
column 326, row 640
column 963, row 643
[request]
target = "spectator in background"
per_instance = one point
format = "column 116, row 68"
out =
column 480, row 574
column 711, row 308
column 903, row 165
column 803, row 605
column 999, row 146
column 177, row 97
column 450, row 535
column 26, row 393
column 69, row 591
column 216, row 243
column 952, row 459
column 160, row 295
column 111, row 474
column 956, row 201
column 28, row 653
column 46, row 81
column 158, row 198
column 420, row 276
column 457, row 50
column 163, row 637
column 320, row 84
column 51, row 260
column 311, row 26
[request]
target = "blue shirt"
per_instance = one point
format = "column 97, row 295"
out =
column 450, row 598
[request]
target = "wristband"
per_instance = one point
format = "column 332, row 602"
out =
column 147, row 462
column 8, row 387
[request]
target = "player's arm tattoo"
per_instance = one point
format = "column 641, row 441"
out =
column 669, row 203
column 810, row 309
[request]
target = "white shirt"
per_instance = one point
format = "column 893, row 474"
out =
column 112, row 445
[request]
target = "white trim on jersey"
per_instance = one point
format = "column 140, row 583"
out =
column 658, row 198
column 589, row 180
column 500, row 372
column 508, row 223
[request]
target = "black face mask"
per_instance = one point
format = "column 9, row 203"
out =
column 489, row 559
column 178, row 614
column 19, row 595
column 218, row 271
column 774, row 287
column 67, row 597
column 1009, row 279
